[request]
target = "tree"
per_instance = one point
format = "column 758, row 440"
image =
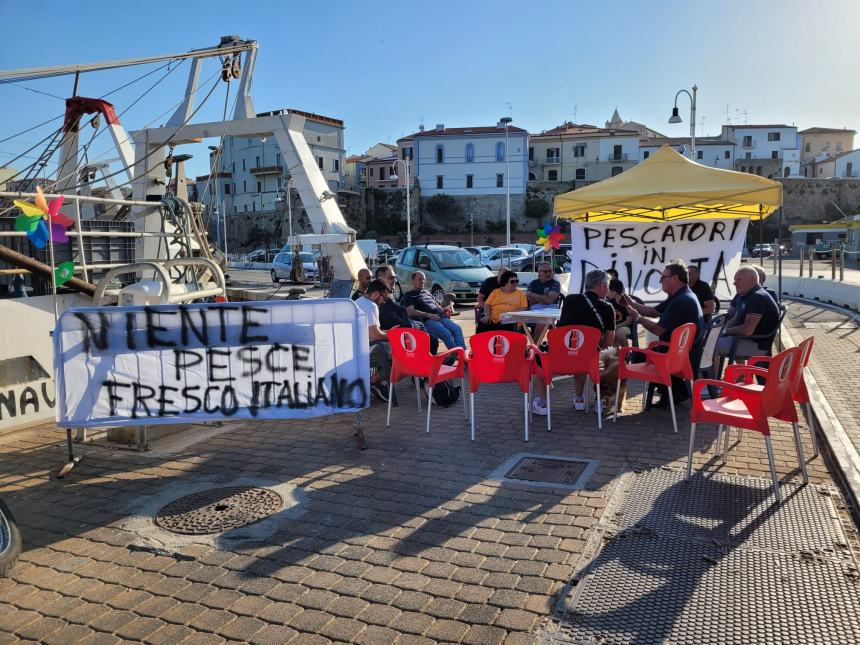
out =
column 536, row 208
column 444, row 209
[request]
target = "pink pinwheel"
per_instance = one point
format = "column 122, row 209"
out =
column 35, row 219
column 550, row 236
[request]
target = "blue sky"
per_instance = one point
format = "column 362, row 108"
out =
column 384, row 67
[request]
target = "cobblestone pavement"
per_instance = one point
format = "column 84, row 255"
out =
column 408, row 541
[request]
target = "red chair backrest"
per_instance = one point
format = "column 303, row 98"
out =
column 801, row 394
column 410, row 351
column 678, row 356
column 781, row 377
column 574, row 349
column 498, row 357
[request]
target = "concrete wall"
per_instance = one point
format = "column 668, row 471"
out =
column 811, row 201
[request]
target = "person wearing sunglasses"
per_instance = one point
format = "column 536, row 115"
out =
column 679, row 308
column 504, row 299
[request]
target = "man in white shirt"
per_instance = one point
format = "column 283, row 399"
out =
column 380, row 351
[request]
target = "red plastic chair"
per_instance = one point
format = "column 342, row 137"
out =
column 500, row 357
column 744, row 407
column 572, row 350
column 745, row 375
column 410, row 356
column 800, row 394
column 659, row 367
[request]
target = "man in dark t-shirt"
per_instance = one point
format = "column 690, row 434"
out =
column 589, row 309
column 703, row 293
column 755, row 315
column 680, row 308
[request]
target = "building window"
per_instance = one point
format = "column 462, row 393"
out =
column 320, row 163
column 440, row 154
column 259, row 186
column 646, row 154
column 470, row 152
column 758, row 170
column 243, row 164
column 747, row 155
column 807, row 147
column 278, row 158
column 838, row 146
column 849, row 169
column 279, row 182
column 617, row 170
column 532, row 176
column 786, row 172
column 827, row 145
column 580, row 173
column 552, row 155
column 773, row 136
column 371, row 171
column 743, row 168
column 234, row 166
column 552, row 175
column 246, row 208
column 500, row 180
column 254, row 206
column 579, row 150
column 226, row 189
column 727, row 155
column 244, row 186
column 470, row 181
column 748, row 141
column 257, row 162
column 440, row 182
column 500, row 151
column 804, row 171
column 531, row 153
column 234, row 187
column 774, row 154
column 700, row 154
column 337, row 165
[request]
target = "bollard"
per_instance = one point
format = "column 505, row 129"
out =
column 802, row 250
column 842, row 263
column 811, row 257
column 833, row 262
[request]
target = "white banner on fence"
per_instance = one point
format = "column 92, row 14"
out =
column 119, row 366
column 640, row 250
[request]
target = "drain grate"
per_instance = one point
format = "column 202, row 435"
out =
column 218, row 509
column 547, row 470
column 714, row 561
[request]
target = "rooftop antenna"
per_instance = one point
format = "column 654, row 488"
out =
column 703, row 127
column 575, row 110
column 728, row 118
column 510, row 110
column 746, row 122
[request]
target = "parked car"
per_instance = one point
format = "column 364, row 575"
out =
column 494, row 258
column 528, row 248
column 823, row 250
column 477, row 251
column 449, row 269
column 257, row 255
column 762, row 250
column 557, row 258
column 384, row 252
column 283, row 265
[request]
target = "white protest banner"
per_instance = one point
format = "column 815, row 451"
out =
column 640, row 250
column 118, row 366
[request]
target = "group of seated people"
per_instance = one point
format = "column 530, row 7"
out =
column 753, row 316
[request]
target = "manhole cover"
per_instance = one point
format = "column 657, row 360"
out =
column 218, row 509
column 550, row 471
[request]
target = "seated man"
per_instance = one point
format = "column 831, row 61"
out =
column 755, row 315
column 762, row 279
column 364, row 277
column 545, row 291
column 703, row 292
column 380, row 351
column 421, row 306
column 393, row 314
column 588, row 309
column 679, row 308
column 623, row 320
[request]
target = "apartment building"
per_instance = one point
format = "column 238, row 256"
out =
column 573, row 152
column 766, row 150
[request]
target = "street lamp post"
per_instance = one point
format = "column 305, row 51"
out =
column 506, row 120
column 408, row 211
column 676, row 118
column 289, row 201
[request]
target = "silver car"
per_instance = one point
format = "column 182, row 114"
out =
column 283, row 264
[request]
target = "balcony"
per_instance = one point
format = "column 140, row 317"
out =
column 617, row 156
column 267, row 170
column 552, row 160
column 748, row 145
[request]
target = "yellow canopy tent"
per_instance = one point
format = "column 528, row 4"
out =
column 668, row 186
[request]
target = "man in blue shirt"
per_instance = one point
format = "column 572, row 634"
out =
column 420, row 305
column 544, row 292
column 679, row 308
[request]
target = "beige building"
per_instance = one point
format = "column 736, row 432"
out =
column 574, row 152
column 830, row 141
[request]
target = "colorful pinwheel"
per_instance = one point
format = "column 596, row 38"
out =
column 35, row 219
column 550, row 236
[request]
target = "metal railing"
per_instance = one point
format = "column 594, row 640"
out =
column 617, row 156
column 552, row 160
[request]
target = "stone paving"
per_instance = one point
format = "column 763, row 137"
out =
column 407, row 541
